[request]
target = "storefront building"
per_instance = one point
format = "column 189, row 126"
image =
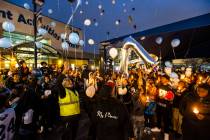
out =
column 23, row 45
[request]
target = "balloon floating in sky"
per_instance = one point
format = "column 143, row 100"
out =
column 101, row 13
column 5, row 43
column 175, row 42
column 26, row 6
column 113, row 53
column 41, row 31
column 8, row 26
column 113, row 1
column 91, row 42
column 143, row 37
column 159, row 40
column 99, row 6
column 39, row 45
column 87, row 22
column 65, row 45
column 124, row 10
column 63, row 35
column 96, row 24
column 52, row 24
column 81, row 42
column 124, row 4
column 117, row 22
column 50, row 11
column 81, row 12
column 86, row 2
column 74, row 38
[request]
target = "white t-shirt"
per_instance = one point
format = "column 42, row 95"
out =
column 7, row 124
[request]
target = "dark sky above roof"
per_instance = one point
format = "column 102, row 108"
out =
column 144, row 14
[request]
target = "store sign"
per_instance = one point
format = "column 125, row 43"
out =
column 23, row 20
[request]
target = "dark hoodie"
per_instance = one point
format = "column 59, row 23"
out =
column 109, row 116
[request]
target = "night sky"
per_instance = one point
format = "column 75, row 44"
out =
column 132, row 15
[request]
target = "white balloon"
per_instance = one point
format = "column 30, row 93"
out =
column 168, row 64
column 81, row 12
column 39, row 45
column 99, row 6
column 159, row 40
column 143, row 37
column 96, row 24
column 117, row 22
column 81, row 43
column 50, row 11
column 74, row 38
column 124, row 4
column 63, row 35
column 101, row 13
column 41, row 31
column 113, row 1
column 52, row 24
column 8, row 26
column 175, row 42
column 91, row 42
column 87, row 22
column 5, row 43
column 65, row 45
column 124, row 10
column 113, row 53
column 27, row 6
column 86, row 2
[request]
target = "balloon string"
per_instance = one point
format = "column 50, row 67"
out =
column 75, row 51
column 58, row 5
column 174, row 52
column 84, row 42
column 94, row 58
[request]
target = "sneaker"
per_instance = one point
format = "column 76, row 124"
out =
column 156, row 129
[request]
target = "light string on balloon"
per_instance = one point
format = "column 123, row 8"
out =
column 190, row 42
column 72, row 29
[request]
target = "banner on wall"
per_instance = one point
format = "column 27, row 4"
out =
column 23, row 21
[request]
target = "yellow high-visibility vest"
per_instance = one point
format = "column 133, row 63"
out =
column 69, row 105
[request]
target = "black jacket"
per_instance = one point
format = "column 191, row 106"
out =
column 110, row 119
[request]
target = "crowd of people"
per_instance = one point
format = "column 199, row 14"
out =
column 50, row 100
